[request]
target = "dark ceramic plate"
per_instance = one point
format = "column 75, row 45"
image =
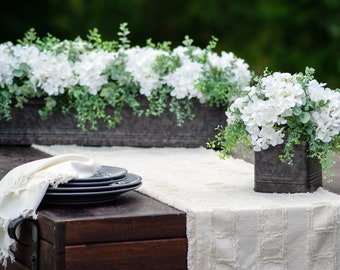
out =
column 70, row 198
column 105, row 173
column 128, row 181
column 93, row 183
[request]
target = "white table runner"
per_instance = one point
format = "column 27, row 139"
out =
column 229, row 226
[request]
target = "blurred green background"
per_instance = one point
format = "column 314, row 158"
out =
column 283, row 35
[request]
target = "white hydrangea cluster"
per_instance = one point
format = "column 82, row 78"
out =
column 11, row 56
column 241, row 72
column 184, row 53
column 140, row 63
column 221, row 62
column 23, row 54
column 6, row 64
column 183, row 80
column 186, row 76
column 265, row 109
column 327, row 118
column 90, row 67
column 54, row 72
column 228, row 60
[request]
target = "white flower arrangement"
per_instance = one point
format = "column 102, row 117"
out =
column 284, row 108
column 89, row 75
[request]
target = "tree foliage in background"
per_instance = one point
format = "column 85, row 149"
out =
column 284, row 35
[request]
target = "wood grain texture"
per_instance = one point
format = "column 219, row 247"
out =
column 15, row 266
column 167, row 254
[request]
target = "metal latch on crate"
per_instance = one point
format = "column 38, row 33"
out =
column 12, row 227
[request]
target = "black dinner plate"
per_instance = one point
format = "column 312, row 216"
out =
column 70, row 198
column 128, row 181
column 93, row 183
column 104, row 173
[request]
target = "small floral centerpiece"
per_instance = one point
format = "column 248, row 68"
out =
column 87, row 76
column 284, row 109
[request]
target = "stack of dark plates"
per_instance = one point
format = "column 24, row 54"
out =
column 104, row 186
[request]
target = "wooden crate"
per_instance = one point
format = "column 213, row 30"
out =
column 133, row 232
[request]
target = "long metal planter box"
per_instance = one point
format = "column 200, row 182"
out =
column 26, row 128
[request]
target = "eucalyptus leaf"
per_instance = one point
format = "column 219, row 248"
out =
column 297, row 110
column 305, row 117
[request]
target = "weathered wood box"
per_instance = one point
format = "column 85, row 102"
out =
column 133, row 232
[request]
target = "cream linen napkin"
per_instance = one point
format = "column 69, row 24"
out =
column 23, row 188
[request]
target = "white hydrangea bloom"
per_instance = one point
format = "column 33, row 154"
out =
column 260, row 119
column 232, row 113
column 239, row 69
column 7, row 64
column 327, row 118
column 183, row 80
column 25, row 54
column 52, row 73
column 221, row 62
column 90, row 68
column 317, row 92
column 268, row 136
column 185, row 77
column 242, row 73
column 183, row 53
column 284, row 87
column 140, row 63
column 11, row 58
column 198, row 52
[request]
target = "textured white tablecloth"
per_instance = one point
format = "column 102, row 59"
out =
column 229, row 226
